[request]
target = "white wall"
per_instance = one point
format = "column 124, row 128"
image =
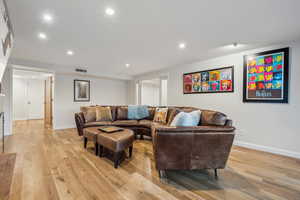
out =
column 164, row 92
column 269, row 127
column 103, row 92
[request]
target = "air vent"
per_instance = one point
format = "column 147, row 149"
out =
column 81, row 70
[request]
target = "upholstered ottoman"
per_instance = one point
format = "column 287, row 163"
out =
column 116, row 142
column 90, row 134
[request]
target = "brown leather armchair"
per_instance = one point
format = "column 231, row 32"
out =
column 188, row 148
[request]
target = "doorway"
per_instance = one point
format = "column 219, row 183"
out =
column 32, row 97
column 152, row 92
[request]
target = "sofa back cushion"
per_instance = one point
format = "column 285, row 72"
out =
column 114, row 112
column 172, row 112
column 122, row 113
column 103, row 113
column 208, row 117
column 151, row 111
column 215, row 118
column 89, row 113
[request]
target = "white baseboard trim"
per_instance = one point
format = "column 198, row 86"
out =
column 25, row 119
column 19, row 119
column 7, row 134
column 64, row 127
column 273, row 150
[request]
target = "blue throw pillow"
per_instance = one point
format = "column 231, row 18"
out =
column 187, row 119
column 137, row 112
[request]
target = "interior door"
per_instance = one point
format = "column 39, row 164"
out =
column 48, row 103
column 20, row 108
column 35, row 99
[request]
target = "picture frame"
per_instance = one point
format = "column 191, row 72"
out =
column 266, row 76
column 82, row 90
column 219, row 80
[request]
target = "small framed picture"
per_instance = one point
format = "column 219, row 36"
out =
column 266, row 76
column 81, row 90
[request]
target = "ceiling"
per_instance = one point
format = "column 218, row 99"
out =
column 145, row 33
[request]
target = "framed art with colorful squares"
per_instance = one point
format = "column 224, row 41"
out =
column 210, row 81
column 266, row 76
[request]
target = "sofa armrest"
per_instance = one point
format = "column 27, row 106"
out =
column 201, row 147
column 80, row 121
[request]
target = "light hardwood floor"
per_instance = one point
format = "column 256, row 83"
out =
column 54, row 165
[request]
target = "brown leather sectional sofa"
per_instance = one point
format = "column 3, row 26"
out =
column 206, row 146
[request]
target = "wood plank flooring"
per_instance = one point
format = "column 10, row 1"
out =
column 54, row 165
column 7, row 165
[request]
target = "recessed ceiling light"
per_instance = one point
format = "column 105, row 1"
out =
column 109, row 11
column 42, row 36
column 182, row 45
column 70, row 52
column 48, row 18
column 127, row 65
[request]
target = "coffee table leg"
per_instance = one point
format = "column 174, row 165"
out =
column 101, row 151
column 116, row 159
column 130, row 151
column 85, row 142
column 96, row 148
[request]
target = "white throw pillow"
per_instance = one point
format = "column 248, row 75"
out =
column 187, row 119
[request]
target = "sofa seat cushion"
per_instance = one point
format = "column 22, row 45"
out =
column 100, row 123
column 146, row 123
column 149, row 123
column 125, row 123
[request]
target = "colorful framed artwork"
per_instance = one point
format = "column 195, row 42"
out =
column 266, row 77
column 81, row 90
column 209, row 81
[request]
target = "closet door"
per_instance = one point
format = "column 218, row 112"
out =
column 35, row 98
column 20, row 108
